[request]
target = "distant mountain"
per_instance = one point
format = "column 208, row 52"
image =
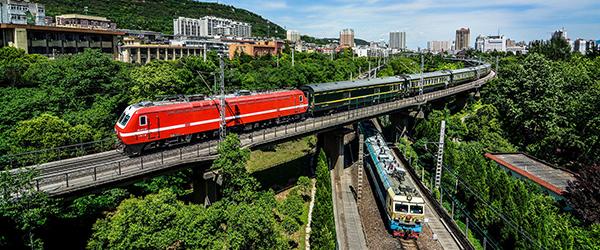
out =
column 158, row 15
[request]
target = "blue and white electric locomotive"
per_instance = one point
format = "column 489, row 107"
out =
column 403, row 205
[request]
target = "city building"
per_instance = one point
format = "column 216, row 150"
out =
column 439, row 46
column 255, row 48
column 293, row 36
column 462, row 39
column 84, row 22
column 561, row 33
column 580, row 46
column 52, row 41
column 22, row 12
column 551, row 180
column 133, row 52
column 347, row 38
column 210, row 26
column 218, row 45
column 491, row 43
column 398, row 40
column 591, row 45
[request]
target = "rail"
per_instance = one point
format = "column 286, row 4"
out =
column 87, row 172
column 451, row 225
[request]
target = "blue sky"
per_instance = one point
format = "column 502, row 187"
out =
column 425, row 20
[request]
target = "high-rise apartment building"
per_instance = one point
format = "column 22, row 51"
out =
column 22, row 12
column 347, row 38
column 462, row 38
column 210, row 26
column 561, row 33
column 439, row 46
column 293, row 36
column 580, row 46
column 398, row 40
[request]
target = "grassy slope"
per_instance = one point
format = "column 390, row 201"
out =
column 262, row 159
column 158, row 15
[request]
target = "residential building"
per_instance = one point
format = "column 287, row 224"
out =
column 218, row 45
column 22, row 12
column 580, row 46
column 52, row 41
column 462, row 39
column 347, row 38
column 84, row 22
column 255, row 48
column 438, row 46
column 293, row 36
column 398, row 40
column 490, row 43
column 561, row 33
column 210, row 26
column 591, row 45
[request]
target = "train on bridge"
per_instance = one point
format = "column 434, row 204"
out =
column 182, row 119
column 403, row 206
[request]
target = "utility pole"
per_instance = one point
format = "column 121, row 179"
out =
column 223, row 125
column 496, row 63
column 369, row 69
column 294, row 48
column 204, row 53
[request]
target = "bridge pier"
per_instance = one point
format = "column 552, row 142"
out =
column 206, row 186
column 404, row 121
column 333, row 143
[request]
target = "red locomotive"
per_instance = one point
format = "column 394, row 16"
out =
column 154, row 124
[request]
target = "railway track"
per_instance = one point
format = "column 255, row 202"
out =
column 409, row 244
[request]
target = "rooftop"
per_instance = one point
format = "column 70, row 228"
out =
column 542, row 173
column 79, row 16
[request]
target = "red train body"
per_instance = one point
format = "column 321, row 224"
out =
column 145, row 123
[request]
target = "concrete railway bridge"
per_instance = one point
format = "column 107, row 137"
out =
column 95, row 172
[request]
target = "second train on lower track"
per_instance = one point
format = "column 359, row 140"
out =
column 403, row 207
column 182, row 119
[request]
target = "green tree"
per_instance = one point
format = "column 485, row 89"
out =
column 238, row 184
column 24, row 207
column 323, row 231
column 13, row 64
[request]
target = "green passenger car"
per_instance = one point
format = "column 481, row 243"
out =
column 345, row 95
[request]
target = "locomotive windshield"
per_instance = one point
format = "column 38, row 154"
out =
column 400, row 208
column 416, row 209
column 122, row 122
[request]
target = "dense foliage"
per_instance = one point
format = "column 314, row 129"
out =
column 510, row 212
column 550, row 107
column 244, row 219
column 323, row 235
column 158, row 15
column 584, row 194
column 75, row 99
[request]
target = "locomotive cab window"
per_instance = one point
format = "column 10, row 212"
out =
column 143, row 120
column 415, row 209
column 400, row 208
column 301, row 98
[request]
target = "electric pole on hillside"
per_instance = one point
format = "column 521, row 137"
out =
column 294, row 48
column 223, row 124
column 440, row 156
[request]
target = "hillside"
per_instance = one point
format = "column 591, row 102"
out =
column 157, row 15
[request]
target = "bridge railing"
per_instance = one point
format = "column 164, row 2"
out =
column 81, row 177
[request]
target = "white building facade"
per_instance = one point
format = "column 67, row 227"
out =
column 580, row 46
column 293, row 36
column 439, row 46
column 398, row 40
column 490, row 43
column 22, row 12
column 210, row 26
